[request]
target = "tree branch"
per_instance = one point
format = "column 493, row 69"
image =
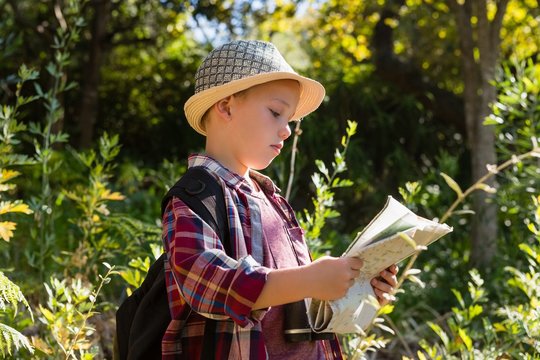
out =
column 60, row 16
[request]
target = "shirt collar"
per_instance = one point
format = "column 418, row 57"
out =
column 231, row 178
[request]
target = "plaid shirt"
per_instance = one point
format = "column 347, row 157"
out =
column 204, row 282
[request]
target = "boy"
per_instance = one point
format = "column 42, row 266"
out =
column 245, row 96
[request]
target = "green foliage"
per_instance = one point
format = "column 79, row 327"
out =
column 69, row 306
column 135, row 273
column 92, row 199
column 522, row 320
column 10, row 293
column 326, row 182
column 472, row 331
column 516, row 116
column 323, row 201
column 44, row 135
column 11, row 339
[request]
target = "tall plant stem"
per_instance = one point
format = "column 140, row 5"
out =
column 297, row 132
column 104, row 279
column 45, row 223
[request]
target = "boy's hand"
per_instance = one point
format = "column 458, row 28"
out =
column 384, row 284
column 331, row 277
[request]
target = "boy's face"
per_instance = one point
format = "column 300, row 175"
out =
column 260, row 123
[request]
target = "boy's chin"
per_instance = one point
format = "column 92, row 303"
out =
column 261, row 165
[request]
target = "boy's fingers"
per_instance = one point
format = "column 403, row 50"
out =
column 383, row 297
column 393, row 269
column 355, row 263
column 389, row 277
column 382, row 286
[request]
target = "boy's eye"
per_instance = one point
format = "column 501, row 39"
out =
column 274, row 113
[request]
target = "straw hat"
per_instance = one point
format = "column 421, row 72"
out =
column 239, row 65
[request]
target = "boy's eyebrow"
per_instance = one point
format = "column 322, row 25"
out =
column 282, row 101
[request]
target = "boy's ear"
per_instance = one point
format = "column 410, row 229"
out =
column 223, row 108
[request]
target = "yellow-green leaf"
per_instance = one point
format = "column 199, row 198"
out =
column 6, row 229
column 385, row 328
column 412, row 272
column 466, row 339
column 408, row 239
column 414, row 279
column 6, row 175
column 9, row 207
column 386, row 309
column 107, row 195
column 453, row 184
column 499, row 327
column 486, row 188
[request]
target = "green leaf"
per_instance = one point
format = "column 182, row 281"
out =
column 466, row 339
column 386, row 309
column 51, row 69
column 11, row 339
column 26, row 73
column 486, row 188
column 474, row 311
column 385, row 328
column 416, row 280
column 322, row 167
column 459, row 298
column 38, row 89
column 493, row 120
column 452, row 184
column 408, row 239
column 440, row 333
column 412, row 272
column 47, row 314
column 351, row 127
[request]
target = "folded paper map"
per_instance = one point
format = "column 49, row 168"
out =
column 385, row 241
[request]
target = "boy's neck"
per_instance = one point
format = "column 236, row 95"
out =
column 229, row 163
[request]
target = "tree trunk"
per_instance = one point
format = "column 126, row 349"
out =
column 445, row 105
column 88, row 109
column 478, row 72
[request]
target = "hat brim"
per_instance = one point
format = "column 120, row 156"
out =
column 311, row 96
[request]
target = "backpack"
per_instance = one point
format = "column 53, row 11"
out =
column 141, row 320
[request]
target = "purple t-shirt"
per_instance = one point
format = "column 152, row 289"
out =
column 284, row 247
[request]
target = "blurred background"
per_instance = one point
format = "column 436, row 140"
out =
column 93, row 134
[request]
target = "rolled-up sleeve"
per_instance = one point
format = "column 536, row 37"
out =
column 211, row 282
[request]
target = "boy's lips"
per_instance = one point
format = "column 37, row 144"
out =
column 277, row 147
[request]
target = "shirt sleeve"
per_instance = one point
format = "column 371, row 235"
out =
column 211, row 282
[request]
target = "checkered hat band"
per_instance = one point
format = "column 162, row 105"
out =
column 239, row 60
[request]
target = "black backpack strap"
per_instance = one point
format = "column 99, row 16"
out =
column 201, row 191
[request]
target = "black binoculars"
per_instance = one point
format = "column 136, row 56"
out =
column 296, row 326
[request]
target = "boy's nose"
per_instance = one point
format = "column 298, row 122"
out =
column 285, row 132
